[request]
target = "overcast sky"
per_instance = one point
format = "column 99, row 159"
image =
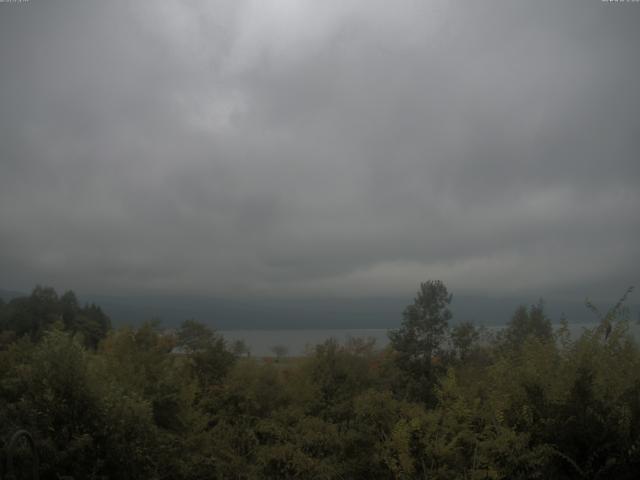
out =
column 320, row 148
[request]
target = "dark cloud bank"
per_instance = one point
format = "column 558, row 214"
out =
column 298, row 149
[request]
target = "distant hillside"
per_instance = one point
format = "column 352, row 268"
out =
column 255, row 314
column 327, row 313
column 225, row 314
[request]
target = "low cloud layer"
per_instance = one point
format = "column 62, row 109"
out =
column 298, row 147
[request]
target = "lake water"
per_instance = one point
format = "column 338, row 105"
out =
column 298, row 341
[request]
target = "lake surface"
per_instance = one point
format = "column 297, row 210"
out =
column 298, row 341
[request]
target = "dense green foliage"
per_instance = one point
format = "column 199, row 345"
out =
column 32, row 316
column 439, row 403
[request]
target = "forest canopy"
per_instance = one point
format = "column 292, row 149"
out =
column 442, row 401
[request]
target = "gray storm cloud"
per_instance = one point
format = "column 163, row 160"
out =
column 298, row 147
